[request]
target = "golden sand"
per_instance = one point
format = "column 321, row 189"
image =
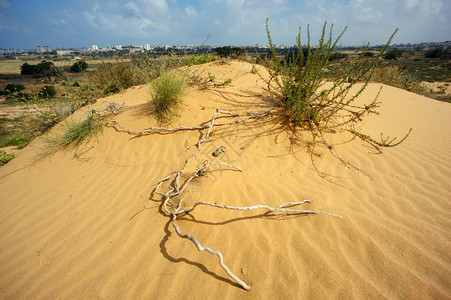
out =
column 92, row 228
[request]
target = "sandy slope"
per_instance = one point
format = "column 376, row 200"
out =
column 92, row 228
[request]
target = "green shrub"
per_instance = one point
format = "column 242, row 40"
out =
column 44, row 68
column 393, row 54
column 439, row 52
column 337, row 55
column 5, row 158
column 299, row 85
column 47, row 92
column 79, row 66
column 166, row 92
column 12, row 88
column 367, row 54
column 228, row 51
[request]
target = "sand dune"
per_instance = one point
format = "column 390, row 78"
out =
column 92, row 228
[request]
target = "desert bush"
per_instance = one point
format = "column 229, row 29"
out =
column 166, row 92
column 5, row 158
column 393, row 54
column 439, row 52
column 228, row 51
column 44, row 68
column 12, row 88
column 79, row 66
column 367, row 54
column 299, row 86
column 47, row 92
column 110, row 78
column 114, row 77
column 337, row 55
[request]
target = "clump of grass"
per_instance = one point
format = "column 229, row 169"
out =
column 166, row 92
column 74, row 133
column 5, row 158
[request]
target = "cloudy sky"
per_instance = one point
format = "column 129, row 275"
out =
column 82, row 23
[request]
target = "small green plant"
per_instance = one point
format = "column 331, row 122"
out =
column 166, row 92
column 227, row 81
column 74, row 133
column 5, row 158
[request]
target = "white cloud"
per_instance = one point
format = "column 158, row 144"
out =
column 132, row 6
column 190, row 11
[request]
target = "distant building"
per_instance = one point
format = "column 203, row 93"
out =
column 64, row 52
column 43, row 49
column 94, row 47
column 118, row 47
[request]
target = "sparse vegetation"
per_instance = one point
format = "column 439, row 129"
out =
column 5, row 158
column 165, row 95
column 74, row 133
column 198, row 59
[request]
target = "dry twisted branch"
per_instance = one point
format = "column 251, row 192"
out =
column 176, row 188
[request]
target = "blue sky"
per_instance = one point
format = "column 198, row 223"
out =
column 82, row 23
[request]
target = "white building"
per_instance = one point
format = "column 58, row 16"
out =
column 64, row 52
column 43, row 49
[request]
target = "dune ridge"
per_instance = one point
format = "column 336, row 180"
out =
column 92, row 227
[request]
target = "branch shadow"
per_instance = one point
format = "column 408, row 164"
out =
column 163, row 250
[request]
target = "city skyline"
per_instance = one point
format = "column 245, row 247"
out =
column 76, row 24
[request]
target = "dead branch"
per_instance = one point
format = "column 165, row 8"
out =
column 176, row 187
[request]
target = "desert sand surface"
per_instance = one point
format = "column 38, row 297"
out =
column 86, row 223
